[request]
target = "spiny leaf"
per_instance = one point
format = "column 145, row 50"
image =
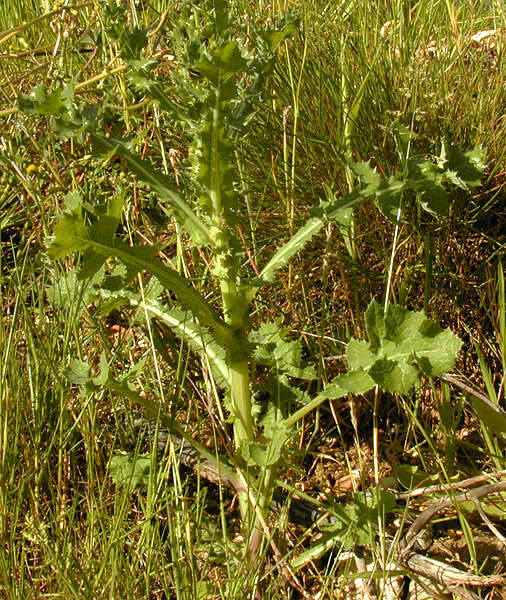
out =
column 42, row 102
column 331, row 211
column 196, row 336
column 159, row 183
column 222, row 63
column 283, row 255
column 133, row 42
column 140, row 257
column 274, row 37
column 389, row 198
column 266, row 453
column 216, row 170
column 276, row 435
column 369, row 179
column 71, row 235
column 343, row 219
column 67, row 291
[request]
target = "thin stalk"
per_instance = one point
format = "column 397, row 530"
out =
column 6, row 35
column 429, row 250
column 501, row 306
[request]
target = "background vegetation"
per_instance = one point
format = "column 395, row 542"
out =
column 350, row 73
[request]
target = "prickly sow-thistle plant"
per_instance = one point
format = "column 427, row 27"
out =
column 219, row 82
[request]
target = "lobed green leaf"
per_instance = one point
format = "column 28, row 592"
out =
column 402, row 343
column 284, row 356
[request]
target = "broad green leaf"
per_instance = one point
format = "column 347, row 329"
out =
column 356, row 522
column 127, row 470
column 272, row 421
column 133, row 42
column 427, row 180
column 404, row 137
column 369, row 179
column 73, row 203
column 153, row 89
column 410, row 477
column 159, row 183
column 359, row 355
column 402, row 343
column 103, row 376
column 274, row 37
column 468, row 166
column 387, row 193
column 353, row 524
column 354, row 382
column 78, row 371
column 272, row 349
column 333, row 209
column 151, row 294
column 394, row 376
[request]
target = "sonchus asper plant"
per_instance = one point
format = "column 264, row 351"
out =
column 219, row 82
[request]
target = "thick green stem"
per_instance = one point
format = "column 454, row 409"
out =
column 232, row 301
column 235, row 313
column 241, row 401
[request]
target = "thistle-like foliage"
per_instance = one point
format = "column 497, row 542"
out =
column 213, row 93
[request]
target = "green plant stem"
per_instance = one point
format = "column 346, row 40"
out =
column 232, row 309
column 243, row 422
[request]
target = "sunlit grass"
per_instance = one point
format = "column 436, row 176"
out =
column 68, row 531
